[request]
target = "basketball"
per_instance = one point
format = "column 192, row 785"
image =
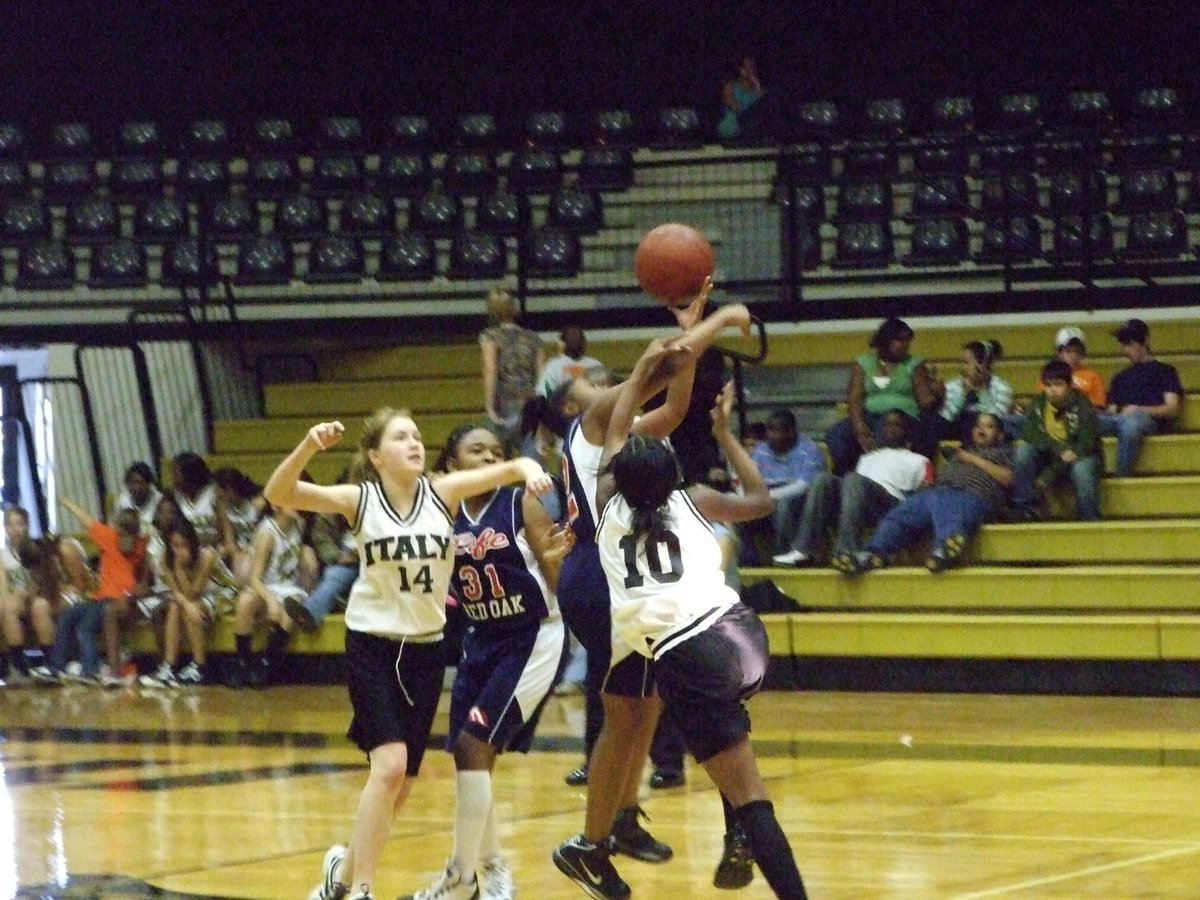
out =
column 672, row 262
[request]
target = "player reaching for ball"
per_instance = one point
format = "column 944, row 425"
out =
column 404, row 527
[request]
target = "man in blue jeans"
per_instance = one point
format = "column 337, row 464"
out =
column 1143, row 398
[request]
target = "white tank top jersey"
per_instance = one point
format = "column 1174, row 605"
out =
column 404, row 565
column 667, row 591
column 283, row 566
column 18, row 577
column 202, row 513
column 581, row 473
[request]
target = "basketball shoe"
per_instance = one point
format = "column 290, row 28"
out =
column 448, row 886
column 330, row 887
column 630, row 838
column 736, row 868
column 589, row 866
column 497, row 880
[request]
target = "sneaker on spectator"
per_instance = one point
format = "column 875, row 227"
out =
column 190, row 675
column 790, row 558
column 450, row 885
column 577, row 777
column 330, row 887
column 589, row 866
column 299, row 614
column 70, row 676
column 110, row 681
column 163, row 677
column 44, row 675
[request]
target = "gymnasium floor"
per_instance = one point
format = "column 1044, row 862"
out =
column 208, row 792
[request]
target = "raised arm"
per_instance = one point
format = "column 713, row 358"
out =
column 86, row 519
column 284, row 487
column 755, row 501
column 549, row 540
column 456, row 486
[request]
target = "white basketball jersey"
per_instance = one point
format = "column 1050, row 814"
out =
column 405, row 563
column 202, row 513
column 18, row 577
column 667, row 586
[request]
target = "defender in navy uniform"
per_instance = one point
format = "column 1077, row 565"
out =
column 507, row 553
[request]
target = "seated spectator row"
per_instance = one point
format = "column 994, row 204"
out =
column 410, row 255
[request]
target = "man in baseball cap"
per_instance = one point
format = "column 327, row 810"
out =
column 1144, row 398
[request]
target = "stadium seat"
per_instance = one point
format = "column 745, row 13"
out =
column 408, row 256
column 340, row 134
column 265, row 259
column 873, row 159
column 502, row 212
column 805, row 163
column 411, row 132
column 581, row 212
column 207, row 176
column 864, row 245
column 118, row 264
column 547, row 129
column 808, row 245
column 69, row 179
column 273, row 136
column 26, row 219
column 951, row 116
column 93, row 219
column 678, row 127
column 1156, row 235
column 615, row 128
column 864, row 200
column 1068, row 243
column 13, row 143
column 1012, row 190
column 136, row 177
column 272, row 176
column 336, row 173
column 817, row 121
column 366, row 215
column 469, row 171
column 71, row 140
column 551, row 252
column 300, row 217
column 938, row 156
column 478, row 130
column 335, row 258
column 605, row 169
column 1147, row 190
column 161, row 219
column 807, row 203
column 1087, row 112
column 138, row 139
column 405, row 173
column 230, row 218
column 940, row 195
column 46, row 265
column 1019, row 240
column 181, row 265
column 1071, row 191
column 437, row 214
column 938, row 242
column 535, row 170
column 14, row 178
column 208, row 139
column 478, row 255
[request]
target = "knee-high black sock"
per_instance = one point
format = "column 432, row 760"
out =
column 242, row 644
column 277, row 643
column 771, row 849
column 731, row 818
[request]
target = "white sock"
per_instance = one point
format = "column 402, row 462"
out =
column 473, row 800
column 489, row 845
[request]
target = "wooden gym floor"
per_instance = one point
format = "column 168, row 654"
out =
column 208, row 792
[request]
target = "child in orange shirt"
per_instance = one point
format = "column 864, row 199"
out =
column 124, row 573
column 1070, row 348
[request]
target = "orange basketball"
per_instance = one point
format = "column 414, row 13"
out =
column 672, row 262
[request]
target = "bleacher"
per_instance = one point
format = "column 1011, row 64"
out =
column 1079, row 602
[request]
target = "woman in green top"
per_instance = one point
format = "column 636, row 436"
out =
column 888, row 377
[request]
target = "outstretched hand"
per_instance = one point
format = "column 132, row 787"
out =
column 560, row 540
column 325, row 435
column 722, row 410
column 687, row 316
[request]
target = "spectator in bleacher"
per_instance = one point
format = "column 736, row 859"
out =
column 753, row 434
column 1060, row 438
column 140, row 493
column 1143, row 398
column 742, row 104
column 975, row 390
column 187, row 569
column 274, row 576
column 199, row 498
column 1071, row 349
column 241, row 501
column 789, row 462
column 573, row 362
column 859, row 499
column 512, row 359
column 21, row 604
column 888, row 377
column 972, row 484
column 124, row 576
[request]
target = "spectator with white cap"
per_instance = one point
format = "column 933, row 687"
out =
column 1144, row 398
column 1071, row 348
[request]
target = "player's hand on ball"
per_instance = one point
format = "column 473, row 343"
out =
column 687, row 316
column 325, row 435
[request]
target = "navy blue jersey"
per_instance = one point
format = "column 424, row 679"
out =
column 496, row 577
column 581, row 473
